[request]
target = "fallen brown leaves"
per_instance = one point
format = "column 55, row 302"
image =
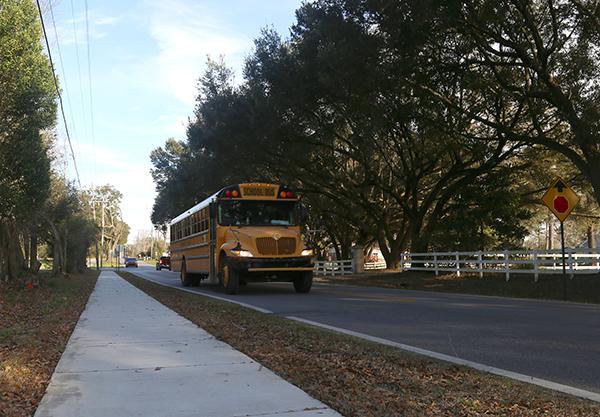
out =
column 360, row 378
column 35, row 325
column 355, row 377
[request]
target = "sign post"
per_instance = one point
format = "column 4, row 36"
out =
column 561, row 200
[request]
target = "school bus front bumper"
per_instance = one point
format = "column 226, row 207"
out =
column 258, row 265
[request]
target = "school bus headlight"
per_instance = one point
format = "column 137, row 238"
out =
column 242, row 253
column 308, row 252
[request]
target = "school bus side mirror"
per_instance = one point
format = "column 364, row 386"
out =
column 212, row 210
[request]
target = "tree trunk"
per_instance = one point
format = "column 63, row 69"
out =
column 57, row 262
column 34, row 264
column 63, row 264
column 15, row 254
column 1, row 253
column 97, row 257
column 26, row 247
column 391, row 251
column 550, row 232
column 11, row 251
column 591, row 237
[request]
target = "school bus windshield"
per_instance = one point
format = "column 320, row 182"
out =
column 257, row 213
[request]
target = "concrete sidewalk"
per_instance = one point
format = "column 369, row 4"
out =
column 131, row 356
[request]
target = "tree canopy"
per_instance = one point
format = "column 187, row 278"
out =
column 27, row 108
column 407, row 124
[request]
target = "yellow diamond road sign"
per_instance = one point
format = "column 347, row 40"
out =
column 560, row 199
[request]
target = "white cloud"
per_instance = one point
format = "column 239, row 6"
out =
column 136, row 185
column 76, row 29
column 172, row 123
column 131, row 178
column 185, row 34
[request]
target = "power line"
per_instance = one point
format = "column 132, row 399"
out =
column 62, row 109
column 83, row 108
column 66, row 87
column 87, row 25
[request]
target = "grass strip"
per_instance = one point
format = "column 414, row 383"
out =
column 361, row 378
column 36, row 321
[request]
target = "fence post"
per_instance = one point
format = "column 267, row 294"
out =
column 457, row 257
column 358, row 259
column 571, row 273
column 506, row 265
column 435, row 264
column 479, row 267
column 536, row 273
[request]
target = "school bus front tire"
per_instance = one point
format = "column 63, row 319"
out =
column 303, row 283
column 231, row 278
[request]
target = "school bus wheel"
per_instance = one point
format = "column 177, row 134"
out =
column 303, row 282
column 186, row 280
column 231, row 279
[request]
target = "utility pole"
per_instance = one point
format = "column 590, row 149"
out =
column 102, row 241
column 102, row 201
column 151, row 244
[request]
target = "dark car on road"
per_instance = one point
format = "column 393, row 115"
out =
column 163, row 262
column 131, row 262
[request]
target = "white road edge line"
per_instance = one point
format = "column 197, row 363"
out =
column 496, row 371
column 262, row 310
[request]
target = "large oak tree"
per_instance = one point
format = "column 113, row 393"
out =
column 27, row 107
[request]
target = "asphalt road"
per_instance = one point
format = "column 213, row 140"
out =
column 554, row 341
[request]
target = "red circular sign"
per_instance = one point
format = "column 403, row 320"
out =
column 561, row 204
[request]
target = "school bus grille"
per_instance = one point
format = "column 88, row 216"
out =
column 270, row 246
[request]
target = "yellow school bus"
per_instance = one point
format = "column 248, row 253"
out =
column 243, row 233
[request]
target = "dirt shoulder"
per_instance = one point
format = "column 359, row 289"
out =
column 360, row 378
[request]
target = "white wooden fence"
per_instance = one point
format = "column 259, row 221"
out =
column 344, row 267
column 334, row 267
column 375, row 265
column 578, row 261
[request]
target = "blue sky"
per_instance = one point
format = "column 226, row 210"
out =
column 145, row 57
